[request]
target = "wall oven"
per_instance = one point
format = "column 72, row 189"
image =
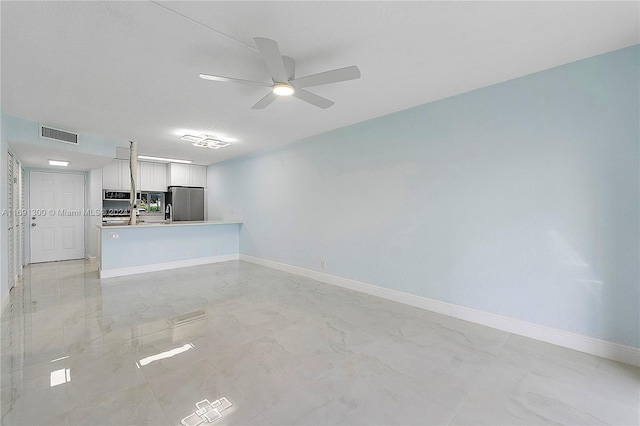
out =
column 118, row 195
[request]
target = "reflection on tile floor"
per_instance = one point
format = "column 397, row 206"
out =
column 283, row 349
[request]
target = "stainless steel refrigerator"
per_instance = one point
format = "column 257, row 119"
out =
column 186, row 203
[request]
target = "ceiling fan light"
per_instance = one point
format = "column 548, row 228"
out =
column 283, row 89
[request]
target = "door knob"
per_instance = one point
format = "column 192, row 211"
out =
column 33, row 224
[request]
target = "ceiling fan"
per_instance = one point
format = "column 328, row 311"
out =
column 285, row 83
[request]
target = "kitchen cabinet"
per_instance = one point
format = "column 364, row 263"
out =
column 186, row 175
column 178, row 174
column 153, row 176
column 197, row 175
column 117, row 175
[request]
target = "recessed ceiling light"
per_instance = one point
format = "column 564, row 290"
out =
column 283, row 89
column 191, row 138
column 169, row 160
column 58, row 163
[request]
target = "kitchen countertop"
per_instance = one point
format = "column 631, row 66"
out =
column 167, row 224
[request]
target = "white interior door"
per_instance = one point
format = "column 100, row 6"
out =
column 56, row 205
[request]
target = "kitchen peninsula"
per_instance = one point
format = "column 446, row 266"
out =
column 147, row 247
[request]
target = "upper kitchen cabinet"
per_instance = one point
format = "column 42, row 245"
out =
column 117, row 175
column 198, row 175
column 153, row 176
column 186, row 175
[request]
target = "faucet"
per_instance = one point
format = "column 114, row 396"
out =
column 169, row 210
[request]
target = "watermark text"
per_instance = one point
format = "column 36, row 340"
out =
column 58, row 212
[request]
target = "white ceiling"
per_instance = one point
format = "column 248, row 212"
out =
column 129, row 70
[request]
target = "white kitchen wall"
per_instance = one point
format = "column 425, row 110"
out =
column 94, row 204
column 519, row 199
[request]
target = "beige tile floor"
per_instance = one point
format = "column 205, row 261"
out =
column 144, row 349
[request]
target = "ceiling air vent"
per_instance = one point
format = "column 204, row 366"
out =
column 58, row 135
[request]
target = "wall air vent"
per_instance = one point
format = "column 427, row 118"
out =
column 58, row 135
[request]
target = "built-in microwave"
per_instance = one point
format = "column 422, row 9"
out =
column 117, row 195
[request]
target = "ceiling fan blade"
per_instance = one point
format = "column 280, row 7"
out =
column 327, row 77
column 290, row 67
column 233, row 80
column 313, row 99
column 262, row 103
column 272, row 59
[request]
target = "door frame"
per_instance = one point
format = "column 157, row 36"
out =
column 22, row 218
column 11, row 219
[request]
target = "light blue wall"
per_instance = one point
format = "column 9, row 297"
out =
column 146, row 245
column 519, row 199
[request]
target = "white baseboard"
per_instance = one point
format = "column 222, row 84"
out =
column 118, row 272
column 578, row 342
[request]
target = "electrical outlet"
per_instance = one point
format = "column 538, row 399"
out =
column 113, row 236
column 323, row 264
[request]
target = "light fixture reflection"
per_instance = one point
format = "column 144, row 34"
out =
column 163, row 355
column 60, row 377
column 60, row 359
column 206, row 411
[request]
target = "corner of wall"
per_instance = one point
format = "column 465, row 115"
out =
column 93, row 201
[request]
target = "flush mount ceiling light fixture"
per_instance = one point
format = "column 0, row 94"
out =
column 206, row 141
column 58, row 163
column 211, row 143
column 191, row 138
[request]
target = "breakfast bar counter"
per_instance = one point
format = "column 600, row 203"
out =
column 156, row 246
